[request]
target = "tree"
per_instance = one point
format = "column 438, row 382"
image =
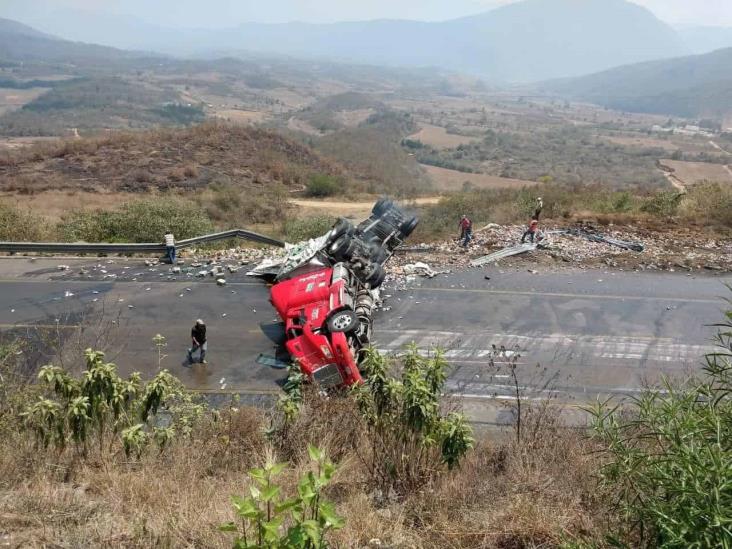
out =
column 100, row 408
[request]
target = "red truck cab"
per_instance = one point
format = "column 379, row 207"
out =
column 317, row 309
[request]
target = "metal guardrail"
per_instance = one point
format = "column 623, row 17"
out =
column 141, row 248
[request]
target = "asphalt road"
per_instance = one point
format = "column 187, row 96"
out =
column 573, row 335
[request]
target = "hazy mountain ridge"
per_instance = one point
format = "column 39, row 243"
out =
column 19, row 42
column 527, row 41
column 692, row 86
column 706, row 39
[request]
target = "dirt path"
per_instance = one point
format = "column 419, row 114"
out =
column 713, row 144
column 352, row 209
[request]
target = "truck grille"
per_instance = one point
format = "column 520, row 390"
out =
column 328, row 376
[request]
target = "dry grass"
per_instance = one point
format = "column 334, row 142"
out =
column 539, row 492
column 241, row 116
column 53, row 205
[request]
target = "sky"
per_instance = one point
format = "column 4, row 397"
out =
column 227, row 13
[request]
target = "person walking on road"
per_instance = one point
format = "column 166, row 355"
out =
column 198, row 340
column 466, row 231
column 534, row 223
column 170, row 246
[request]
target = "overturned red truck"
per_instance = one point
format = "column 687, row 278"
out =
column 326, row 291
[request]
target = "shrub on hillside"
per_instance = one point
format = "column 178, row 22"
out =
column 669, row 458
column 322, row 185
column 709, row 203
column 297, row 229
column 663, row 204
column 411, row 436
column 92, row 411
column 143, row 221
column 21, row 226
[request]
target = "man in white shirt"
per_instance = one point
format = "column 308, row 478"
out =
column 170, row 246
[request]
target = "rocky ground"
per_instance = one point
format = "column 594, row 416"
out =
column 675, row 250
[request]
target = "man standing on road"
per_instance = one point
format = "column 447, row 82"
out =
column 170, row 246
column 466, row 231
column 534, row 223
column 198, row 340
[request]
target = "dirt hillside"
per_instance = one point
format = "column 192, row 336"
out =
column 163, row 159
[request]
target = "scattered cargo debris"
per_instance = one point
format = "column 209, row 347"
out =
column 421, row 269
column 594, row 236
column 502, row 254
column 544, row 242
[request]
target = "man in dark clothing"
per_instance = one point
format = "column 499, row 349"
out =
column 198, row 339
column 466, row 231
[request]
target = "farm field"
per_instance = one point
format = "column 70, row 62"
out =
column 12, row 99
column 453, row 180
column 691, row 173
column 438, row 137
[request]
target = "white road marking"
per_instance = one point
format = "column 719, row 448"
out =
column 472, row 347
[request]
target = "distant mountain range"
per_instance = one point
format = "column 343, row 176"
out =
column 530, row 40
column 692, row 86
column 706, row 39
column 20, row 42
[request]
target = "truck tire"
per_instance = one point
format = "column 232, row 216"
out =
column 344, row 320
column 341, row 227
column 379, row 255
column 382, row 206
column 408, row 227
column 342, row 249
column 376, row 278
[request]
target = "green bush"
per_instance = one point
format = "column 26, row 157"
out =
column 663, row 204
column 143, row 221
column 410, row 436
column 669, row 458
column 323, row 185
column 710, row 203
column 99, row 407
column 298, row 229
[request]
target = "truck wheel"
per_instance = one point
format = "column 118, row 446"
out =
column 379, row 255
column 342, row 249
column 408, row 227
column 343, row 321
column 382, row 206
column 341, row 227
column 376, row 278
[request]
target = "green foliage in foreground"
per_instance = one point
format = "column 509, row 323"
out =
column 100, row 408
column 670, row 459
column 143, row 221
column 267, row 519
column 411, row 436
